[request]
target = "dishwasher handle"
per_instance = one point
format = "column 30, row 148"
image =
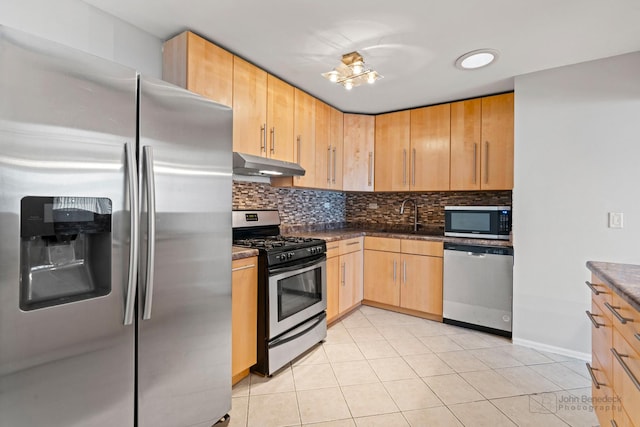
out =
column 477, row 250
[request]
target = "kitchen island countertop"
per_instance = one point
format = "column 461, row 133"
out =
column 624, row 279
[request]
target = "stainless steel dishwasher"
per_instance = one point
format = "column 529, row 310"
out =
column 478, row 287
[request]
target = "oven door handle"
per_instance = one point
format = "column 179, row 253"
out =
column 285, row 339
column 314, row 261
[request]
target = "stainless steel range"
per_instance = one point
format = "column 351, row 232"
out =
column 292, row 288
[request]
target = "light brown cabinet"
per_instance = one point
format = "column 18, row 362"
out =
column 615, row 359
column 244, row 316
column 482, row 143
column 430, row 147
column 393, row 151
column 358, row 158
column 249, row 108
column 405, row 275
column 280, row 108
column 191, row 62
column 344, row 276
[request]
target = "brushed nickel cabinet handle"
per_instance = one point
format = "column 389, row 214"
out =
column 475, row 162
column 637, row 336
column 404, row 167
column 344, row 273
column 596, row 384
column 353, row 243
column 394, row 271
column 298, row 156
column 615, row 313
column 263, row 138
column 273, row 140
column 592, row 287
column 329, row 165
column 404, row 272
column 614, row 423
column 626, row 369
column 335, row 156
column 593, row 320
column 244, row 267
column 486, row 163
column 370, row 168
column 413, row 168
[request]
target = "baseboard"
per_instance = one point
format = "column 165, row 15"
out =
column 553, row 349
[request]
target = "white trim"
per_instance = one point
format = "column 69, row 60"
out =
column 553, row 349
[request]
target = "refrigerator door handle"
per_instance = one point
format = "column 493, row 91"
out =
column 130, row 154
column 147, row 152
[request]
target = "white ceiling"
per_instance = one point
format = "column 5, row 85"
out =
column 413, row 43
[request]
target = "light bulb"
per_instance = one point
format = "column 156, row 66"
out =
column 371, row 77
column 333, row 76
column 357, row 67
column 348, row 85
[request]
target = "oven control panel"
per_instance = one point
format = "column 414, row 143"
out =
column 299, row 254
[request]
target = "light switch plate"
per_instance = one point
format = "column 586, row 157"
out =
column 615, row 219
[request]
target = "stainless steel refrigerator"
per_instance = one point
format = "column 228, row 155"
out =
column 115, row 244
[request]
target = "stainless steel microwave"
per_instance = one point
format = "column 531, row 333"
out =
column 482, row 222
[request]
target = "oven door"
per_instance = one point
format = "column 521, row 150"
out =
column 296, row 293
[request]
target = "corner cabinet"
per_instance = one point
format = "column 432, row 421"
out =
column 615, row 359
column 244, row 316
column 482, row 143
column 344, row 276
column 404, row 275
column 358, row 160
column 191, row 62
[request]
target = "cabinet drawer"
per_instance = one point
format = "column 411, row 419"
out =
column 333, row 249
column 350, row 245
column 602, row 393
column 626, row 375
column 421, row 247
column 600, row 292
column 382, row 244
column 626, row 320
column 602, row 336
column 244, row 264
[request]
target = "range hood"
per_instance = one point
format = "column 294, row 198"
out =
column 247, row 164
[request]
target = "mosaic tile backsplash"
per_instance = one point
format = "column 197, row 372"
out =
column 332, row 209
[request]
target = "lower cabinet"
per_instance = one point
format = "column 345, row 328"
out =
column 244, row 317
column 405, row 274
column 615, row 359
column 344, row 276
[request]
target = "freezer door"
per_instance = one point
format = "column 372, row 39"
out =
column 184, row 313
column 66, row 357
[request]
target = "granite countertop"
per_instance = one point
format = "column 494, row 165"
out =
column 624, row 279
column 238, row 252
column 348, row 233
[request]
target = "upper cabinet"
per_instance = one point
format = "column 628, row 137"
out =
column 430, row 144
column 358, row 167
column 249, row 108
column 336, row 140
column 304, row 131
column 198, row 65
column 329, row 147
column 393, row 151
column 280, row 107
column 482, row 143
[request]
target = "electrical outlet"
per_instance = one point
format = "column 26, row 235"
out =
column 373, row 206
column 615, row 219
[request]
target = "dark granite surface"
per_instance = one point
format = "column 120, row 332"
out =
column 238, row 252
column 624, row 279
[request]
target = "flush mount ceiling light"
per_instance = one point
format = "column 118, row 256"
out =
column 476, row 59
column 352, row 72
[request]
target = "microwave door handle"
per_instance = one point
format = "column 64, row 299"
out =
column 274, row 271
column 147, row 152
column 132, row 178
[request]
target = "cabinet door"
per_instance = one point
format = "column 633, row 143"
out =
column 244, row 314
column 358, row 158
column 382, row 277
column 497, row 142
column 421, row 287
column 280, row 106
column 430, row 145
column 351, row 282
column 392, row 149
column 200, row 66
column 304, row 148
column 249, row 108
column 323, row 145
column 336, row 140
column 333, row 288
column 466, row 119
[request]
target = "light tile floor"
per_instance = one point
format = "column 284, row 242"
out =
column 379, row 368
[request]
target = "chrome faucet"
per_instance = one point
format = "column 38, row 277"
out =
column 415, row 212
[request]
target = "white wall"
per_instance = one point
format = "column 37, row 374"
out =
column 84, row 27
column 577, row 157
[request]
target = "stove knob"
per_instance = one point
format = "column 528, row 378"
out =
column 290, row 255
